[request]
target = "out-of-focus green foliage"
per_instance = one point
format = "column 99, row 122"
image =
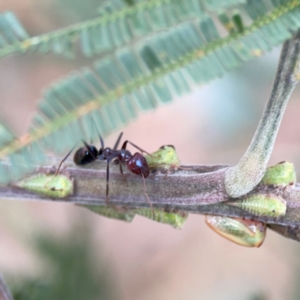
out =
column 72, row 270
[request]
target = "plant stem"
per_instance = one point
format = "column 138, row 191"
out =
column 4, row 291
column 199, row 190
column 242, row 178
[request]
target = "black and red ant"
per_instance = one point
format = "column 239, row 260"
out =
column 136, row 163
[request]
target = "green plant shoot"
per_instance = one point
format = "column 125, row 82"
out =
column 176, row 220
column 59, row 186
column 165, row 158
column 281, row 174
column 242, row 232
column 262, row 205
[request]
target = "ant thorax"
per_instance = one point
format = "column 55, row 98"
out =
column 107, row 152
column 124, row 155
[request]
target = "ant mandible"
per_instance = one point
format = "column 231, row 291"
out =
column 136, row 163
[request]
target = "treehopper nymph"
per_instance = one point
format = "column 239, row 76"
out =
column 281, row 174
column 262, row 205
column 176, row 220
column 164, row 158
column 242, row 232
column 59, row 186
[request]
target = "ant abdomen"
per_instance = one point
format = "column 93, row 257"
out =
column 85, row 155
column 138, row 165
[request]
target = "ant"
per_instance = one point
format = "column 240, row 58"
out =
column 136, row 164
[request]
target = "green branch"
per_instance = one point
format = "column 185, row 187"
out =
column 242, row 178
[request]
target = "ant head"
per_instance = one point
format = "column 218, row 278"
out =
column 85, row 155
column 138, row 165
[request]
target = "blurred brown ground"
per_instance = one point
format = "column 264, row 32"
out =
column 214, row 124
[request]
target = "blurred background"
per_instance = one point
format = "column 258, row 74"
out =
column 59, row 251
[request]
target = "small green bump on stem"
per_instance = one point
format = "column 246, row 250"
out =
column 165, row 158
column 281, row 174
column 59, row 186
column 176, row 220
column 110, row 212
column 242, row 232
column 262, row 205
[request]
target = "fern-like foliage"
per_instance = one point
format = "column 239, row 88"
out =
column 140, row 77
column 120, row 22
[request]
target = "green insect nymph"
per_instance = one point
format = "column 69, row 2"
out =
column 262, row 205
column 165, row 158
column 281, row 174
column 111, row 212
column 176, row 220
column 59, row 186
column 242, row 232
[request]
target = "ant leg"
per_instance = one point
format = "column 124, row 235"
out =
column 147, row 197
column 118, row 141
column 101, row 141
column 121, row 170
column 137, row 147
column 108, row 161
column 57, row 171
column 107, row 186
column 107, row 181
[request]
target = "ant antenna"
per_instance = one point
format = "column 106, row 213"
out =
column 57, row 171
column 101, row 142
column 118, row 141
column 90, row 149
column 99, row 135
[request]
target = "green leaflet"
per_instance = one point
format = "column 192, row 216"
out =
column 5, row 135
column 226, row 22
column 238, row 22
column 165, row 158
column 242, row 232
column 281, row 174
column 262, row 205
column 59, row 186
column 176, row 220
